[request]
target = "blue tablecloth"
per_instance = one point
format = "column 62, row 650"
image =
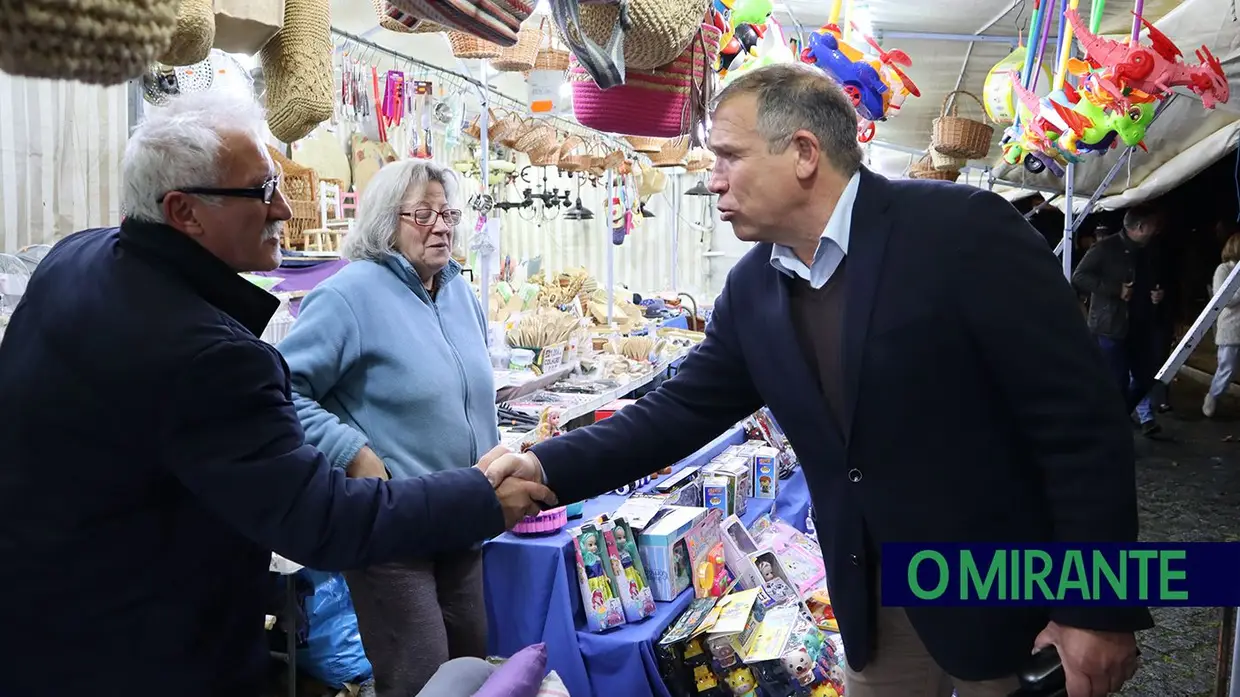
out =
column 532, row 596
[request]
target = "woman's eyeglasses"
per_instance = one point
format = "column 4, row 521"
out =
column 427, row 216
column 264, row 193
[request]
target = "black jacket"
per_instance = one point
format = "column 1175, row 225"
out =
column 151, row 460
column 978, row 409
column 1102, row 273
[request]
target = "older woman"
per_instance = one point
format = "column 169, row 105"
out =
column 392, row 377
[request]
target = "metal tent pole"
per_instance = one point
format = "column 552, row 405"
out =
column 676, row 186
column 484, row 167
column 1069, row 183
column 611, row 248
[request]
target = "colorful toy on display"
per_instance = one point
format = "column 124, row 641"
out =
column 877, row 86
column 1120, row 85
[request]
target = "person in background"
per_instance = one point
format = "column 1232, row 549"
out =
column 1226, row 329
column 391, row 377
column 919, row 408
column 153, row 458
column 1124, row 281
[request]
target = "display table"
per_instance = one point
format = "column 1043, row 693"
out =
column 532, row 596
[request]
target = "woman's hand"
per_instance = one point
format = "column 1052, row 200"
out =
column 366, row 464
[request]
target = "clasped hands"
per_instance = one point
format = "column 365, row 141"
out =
column 518, row 482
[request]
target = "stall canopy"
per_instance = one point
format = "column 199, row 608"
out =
column 954, row 45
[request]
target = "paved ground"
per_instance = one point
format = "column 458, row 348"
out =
column 1189, row 485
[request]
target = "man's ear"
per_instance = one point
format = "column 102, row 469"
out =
column 808, row 153
column 179, row 212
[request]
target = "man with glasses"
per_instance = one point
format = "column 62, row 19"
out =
column 153, row 458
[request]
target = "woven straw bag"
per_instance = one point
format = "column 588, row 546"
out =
column 467, row 46
column 551, row 53
column 298, row 65
column 195, row 34
column 659, row 30
column 394, row 19
column 662, row 103
column 100, row 42
column 577, row 161
column 956, row 136
column 643, row 144
column 924, row 169
column 520, row 57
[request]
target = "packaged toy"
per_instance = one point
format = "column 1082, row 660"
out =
column 635, row 593
column 598, row 589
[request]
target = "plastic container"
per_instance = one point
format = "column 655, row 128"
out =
column 521, row 359
column 544, row 523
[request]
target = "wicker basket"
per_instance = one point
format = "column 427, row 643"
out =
column 520, row 56
column 646, row 145
column 944, row 163
column 672, row 154
column 955, row 136
column 924, row 169
column 576, row 161
column 467, row 46
column 538, row 139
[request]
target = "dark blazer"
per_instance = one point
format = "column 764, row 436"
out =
column 978, row 409
column 151, row 459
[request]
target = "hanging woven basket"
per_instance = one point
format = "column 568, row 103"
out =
column 467, row 46
column 520, row 56
column 924, row 169
column 956, row 136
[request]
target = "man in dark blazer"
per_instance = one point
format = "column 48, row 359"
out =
column 150, row 455
column 918, row 343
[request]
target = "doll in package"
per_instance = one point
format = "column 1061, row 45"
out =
column 598, row 590
column 635, row 593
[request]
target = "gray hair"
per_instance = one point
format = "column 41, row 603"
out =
column 796, row 96
column 178, row 146
column 378, row 213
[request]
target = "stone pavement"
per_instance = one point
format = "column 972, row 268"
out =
column 1188, row 482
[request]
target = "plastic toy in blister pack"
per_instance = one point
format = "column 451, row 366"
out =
column 598, row 590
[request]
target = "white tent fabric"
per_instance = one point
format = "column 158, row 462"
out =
column 1185, row 140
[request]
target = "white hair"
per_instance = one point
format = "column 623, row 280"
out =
column 374, row 232
column 178, row 146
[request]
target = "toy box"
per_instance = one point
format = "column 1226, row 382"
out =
column 635, row 595
column 799, row 554
column 740, row 483
column 683, row 488
column 705, row 545
column 717, row 494
column 664, row 551
column 765, row 472
column 599, row 595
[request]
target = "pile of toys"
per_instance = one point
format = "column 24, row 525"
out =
column 1119, row 87
column 761, row 620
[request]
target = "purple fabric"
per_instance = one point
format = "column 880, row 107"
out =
column 520, row 676
column 303, row 277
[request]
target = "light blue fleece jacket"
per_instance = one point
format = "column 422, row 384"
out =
column 375, row 361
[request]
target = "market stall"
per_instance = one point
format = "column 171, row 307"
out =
column 533, row 594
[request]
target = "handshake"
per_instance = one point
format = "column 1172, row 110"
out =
column 518, row 482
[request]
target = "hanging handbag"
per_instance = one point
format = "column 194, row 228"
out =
column 497, row 21
column 666, row 102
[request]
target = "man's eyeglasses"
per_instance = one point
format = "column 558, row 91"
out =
column 264, row 193
column 426, row 216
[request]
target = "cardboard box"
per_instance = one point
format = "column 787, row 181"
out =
column 665, row 553
column 765, row 473
column 717, row 494
column 740, row 482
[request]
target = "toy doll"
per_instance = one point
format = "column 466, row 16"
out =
column 596, row 576
column 629, row 572
column 774, row 584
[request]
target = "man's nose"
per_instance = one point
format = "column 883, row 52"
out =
column 279, row 208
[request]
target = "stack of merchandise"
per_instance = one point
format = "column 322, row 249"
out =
column 761, row 621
